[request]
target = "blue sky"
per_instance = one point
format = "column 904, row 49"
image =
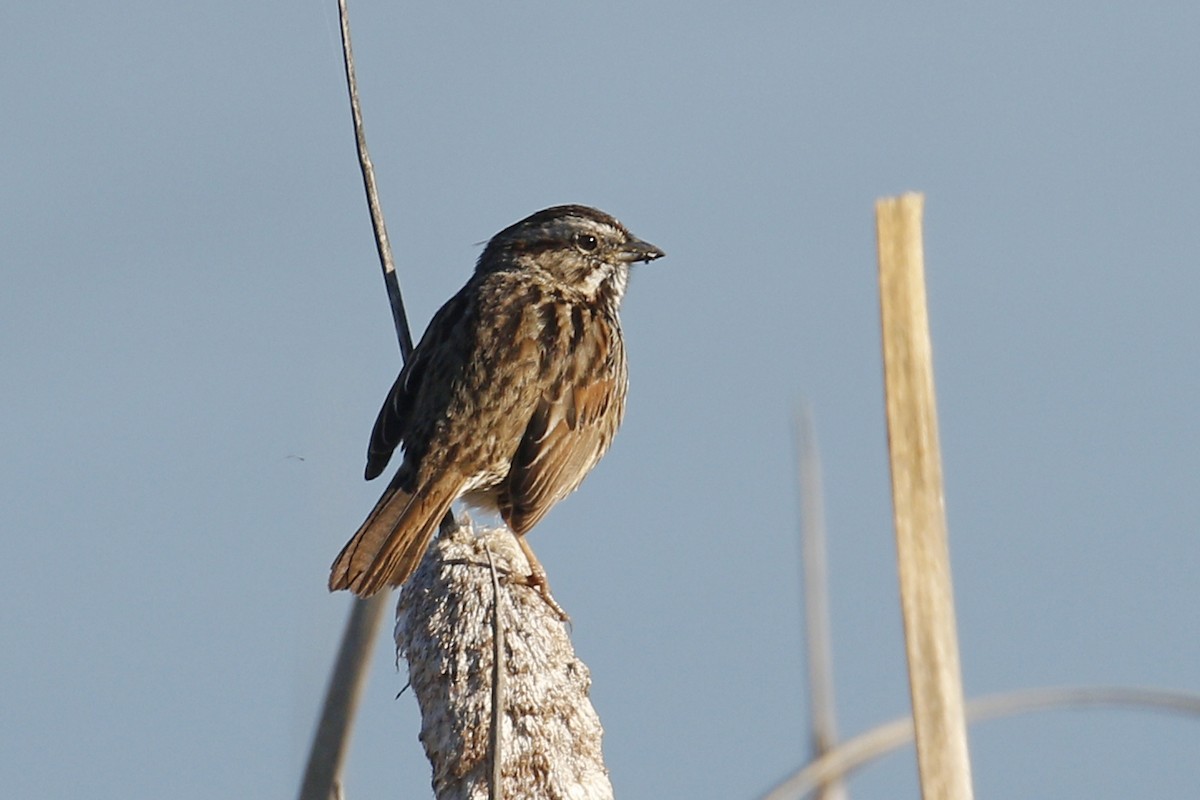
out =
column 195, row 341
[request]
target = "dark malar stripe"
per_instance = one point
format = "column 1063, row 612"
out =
column 578, row 328
column 548, row 313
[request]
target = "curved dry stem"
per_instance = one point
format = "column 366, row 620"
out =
column 855, row 753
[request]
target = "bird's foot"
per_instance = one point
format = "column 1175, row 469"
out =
column 536, row 580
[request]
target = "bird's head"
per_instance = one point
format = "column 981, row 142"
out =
column 580, row 247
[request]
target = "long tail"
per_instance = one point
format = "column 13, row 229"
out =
column 390, row 544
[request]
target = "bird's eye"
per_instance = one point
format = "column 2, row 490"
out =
column 585, row 242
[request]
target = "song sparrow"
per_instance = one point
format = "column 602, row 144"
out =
column 511, row 397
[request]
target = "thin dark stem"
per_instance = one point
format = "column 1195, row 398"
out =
column 495, row 785
column 382, row 243
column 322, row 775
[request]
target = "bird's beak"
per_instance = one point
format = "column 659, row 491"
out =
column 636, row 250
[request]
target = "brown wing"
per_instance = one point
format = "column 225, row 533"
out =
column 569, row 432
column 391, row 425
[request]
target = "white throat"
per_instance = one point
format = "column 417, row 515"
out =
column 605, row 272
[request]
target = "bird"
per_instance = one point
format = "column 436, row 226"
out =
column 511, row 397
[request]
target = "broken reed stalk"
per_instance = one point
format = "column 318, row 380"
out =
column 926, row 596
column 528, row 688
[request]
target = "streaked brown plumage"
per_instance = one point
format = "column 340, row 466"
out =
column 512, row 396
